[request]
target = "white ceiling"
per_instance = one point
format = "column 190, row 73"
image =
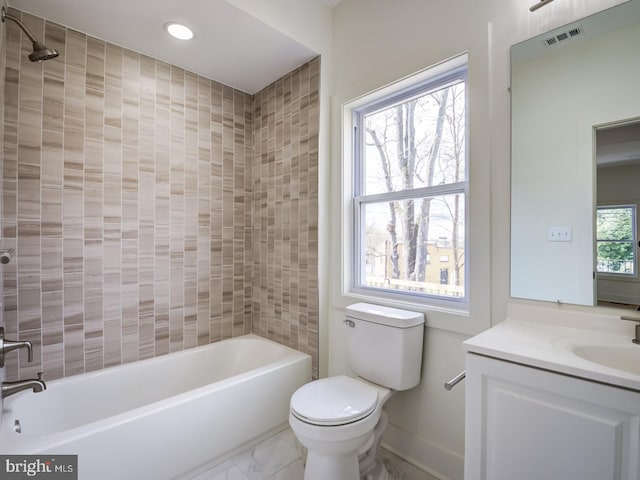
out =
column 230, row 46
column 618, row 145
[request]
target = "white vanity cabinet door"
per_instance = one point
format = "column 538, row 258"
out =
column 528, row 424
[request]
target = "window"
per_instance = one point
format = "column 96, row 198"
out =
column 410, row 190
column 616, row 240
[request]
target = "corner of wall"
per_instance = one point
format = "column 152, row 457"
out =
column 433, row 459
column 3, row 31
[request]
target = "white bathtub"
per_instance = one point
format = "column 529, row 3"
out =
column 164, row 418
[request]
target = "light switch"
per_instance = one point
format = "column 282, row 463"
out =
column 559, row 234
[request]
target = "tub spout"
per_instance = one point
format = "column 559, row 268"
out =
column 37, row 385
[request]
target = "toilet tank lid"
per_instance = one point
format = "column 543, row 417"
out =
column 393, row 317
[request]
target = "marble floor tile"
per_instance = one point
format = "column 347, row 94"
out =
column 224, row 471
column 270, row 456
column 281, row 457
column 293, row 471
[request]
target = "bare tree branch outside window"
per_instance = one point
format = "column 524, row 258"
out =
column 416, row 145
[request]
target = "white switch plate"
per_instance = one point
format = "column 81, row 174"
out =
column 559, row 234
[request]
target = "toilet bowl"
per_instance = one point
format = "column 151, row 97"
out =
column 336, row 419
column 340, row 419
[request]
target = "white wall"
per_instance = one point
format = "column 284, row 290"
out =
column 551, row 186
column 378, row 42
column 375, row 42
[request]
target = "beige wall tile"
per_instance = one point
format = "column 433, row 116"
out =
column 152, row 209
column 284, row 209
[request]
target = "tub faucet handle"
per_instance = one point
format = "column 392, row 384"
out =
column 7, row 345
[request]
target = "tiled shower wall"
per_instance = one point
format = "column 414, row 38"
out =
column 128, row 196
column 285, row 203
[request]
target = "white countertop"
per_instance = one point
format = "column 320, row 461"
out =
column 548, row 345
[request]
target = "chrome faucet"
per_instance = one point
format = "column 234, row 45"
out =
column 7, row 345
column 37, row 385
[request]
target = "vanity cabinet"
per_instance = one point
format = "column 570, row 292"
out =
column 523, row 423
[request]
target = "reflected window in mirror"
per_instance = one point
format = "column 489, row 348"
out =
column 616, row 240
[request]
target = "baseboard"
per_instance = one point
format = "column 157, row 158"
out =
column 624, row 299
column 433, row 459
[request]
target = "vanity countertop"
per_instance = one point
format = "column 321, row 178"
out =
column 554, row 347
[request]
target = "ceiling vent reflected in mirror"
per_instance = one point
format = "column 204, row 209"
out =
column 556, row 39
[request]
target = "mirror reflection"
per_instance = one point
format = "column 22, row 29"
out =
column 575, row 101
column 618, row 197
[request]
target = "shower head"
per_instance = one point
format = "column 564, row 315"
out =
column 40, row 51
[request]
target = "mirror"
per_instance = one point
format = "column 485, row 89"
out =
column 570, row 87
column 617, row 207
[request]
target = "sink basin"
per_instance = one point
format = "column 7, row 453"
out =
column 625, row 358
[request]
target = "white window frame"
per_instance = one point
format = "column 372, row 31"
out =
column 423, row 82
column 633, row 241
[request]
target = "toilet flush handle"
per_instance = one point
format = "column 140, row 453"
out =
column 349, row 323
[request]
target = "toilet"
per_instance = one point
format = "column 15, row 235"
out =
column 340, row 419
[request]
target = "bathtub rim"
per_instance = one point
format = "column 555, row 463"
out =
column 26, row 443
column 160, row 358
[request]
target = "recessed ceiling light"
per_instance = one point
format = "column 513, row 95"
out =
column 178, row 31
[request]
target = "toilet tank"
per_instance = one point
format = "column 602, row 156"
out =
column 385, row 344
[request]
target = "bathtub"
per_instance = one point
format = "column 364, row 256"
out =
column 169, row 417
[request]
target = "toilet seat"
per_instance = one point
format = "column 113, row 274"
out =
column 334, row 401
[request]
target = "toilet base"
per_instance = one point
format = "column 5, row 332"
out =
column 349, row 455
column 341, row 468
column 371, row 466
column 319, row 467
column 367, row 466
